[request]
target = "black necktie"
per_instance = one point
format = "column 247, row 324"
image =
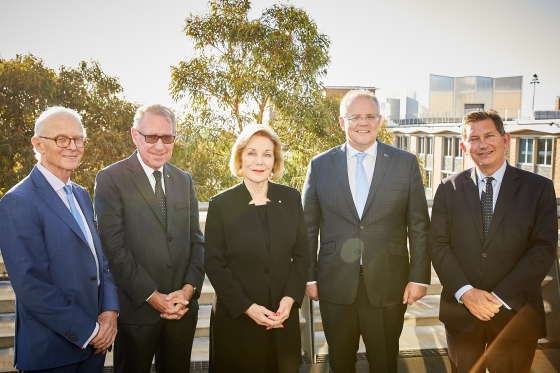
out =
column 160, row 196
column 486, row 202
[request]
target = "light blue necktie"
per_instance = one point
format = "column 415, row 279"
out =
column 362, row 185
column 74, row 209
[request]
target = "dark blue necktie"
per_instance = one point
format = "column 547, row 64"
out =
column 487, row 204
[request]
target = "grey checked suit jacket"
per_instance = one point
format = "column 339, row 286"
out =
column 396, row 210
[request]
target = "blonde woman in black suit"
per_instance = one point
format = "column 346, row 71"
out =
column 256, row 257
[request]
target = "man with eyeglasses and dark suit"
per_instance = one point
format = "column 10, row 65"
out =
column 147, row 214
column 66, row 301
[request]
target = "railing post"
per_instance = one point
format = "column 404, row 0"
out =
column 308, row 331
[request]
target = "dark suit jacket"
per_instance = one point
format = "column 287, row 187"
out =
column 242, row 272
column 144, row 255
column 53, row 273
column 396, row 210
column 511, row 262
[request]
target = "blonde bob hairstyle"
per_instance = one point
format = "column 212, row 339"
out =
column 242, row 140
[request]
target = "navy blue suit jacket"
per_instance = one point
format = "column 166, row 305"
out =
column 53, row 273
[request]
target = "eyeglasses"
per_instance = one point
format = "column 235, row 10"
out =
column 64, row 142
column 152, row 139
column 367, row 118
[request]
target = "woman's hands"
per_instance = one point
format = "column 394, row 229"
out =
column 272, row 320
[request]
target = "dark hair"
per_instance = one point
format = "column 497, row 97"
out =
column 477, row 116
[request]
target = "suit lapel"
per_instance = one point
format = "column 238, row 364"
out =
column 52, row 199
column 341, row 167
column 470, row 186
column 140, row 179
column 509, row 186
column 382, row 161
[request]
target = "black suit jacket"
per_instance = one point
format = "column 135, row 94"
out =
column 513, row 260
column 236, row 258
column 144, row 255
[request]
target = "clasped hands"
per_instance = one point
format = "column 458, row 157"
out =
column 174, row 305
column 482, row 304
column 272, row 320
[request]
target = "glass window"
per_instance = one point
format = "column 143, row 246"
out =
column 430, row 147
column 421, row 149
column 447, row 146
column 526, row 150
column 544, row 152
column 458, row 152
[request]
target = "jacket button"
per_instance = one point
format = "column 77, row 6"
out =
column 266, row 270
column 169, row 239
column 93, row 278
column 361, row 227
column 168, row 266
column 484, row 255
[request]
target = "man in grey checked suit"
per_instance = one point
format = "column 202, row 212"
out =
column 363, row 274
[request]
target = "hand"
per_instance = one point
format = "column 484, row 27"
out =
column 107, row 332
column 180, row 300
column 481, row 304
column 168, row 309
column 312, row 291
column 283, row 311
column 413, row 292
column 262, row 316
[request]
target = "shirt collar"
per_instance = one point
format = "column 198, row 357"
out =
column 498, row 175
column 54, row 181
column 350, row 151
column 147, row 169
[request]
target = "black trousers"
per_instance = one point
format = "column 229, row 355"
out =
column 169, row 340
column 482, row 349
column 380, row 328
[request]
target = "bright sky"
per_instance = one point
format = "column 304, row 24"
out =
column 392, row 44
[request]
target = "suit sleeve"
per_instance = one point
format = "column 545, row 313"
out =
column 519, row 285
column 226, row 286
column 24, row 249
column 298, row 273
column 444, row 260
column 418, row 224
column 131, row 277
column 195, row 271
column 312, row 216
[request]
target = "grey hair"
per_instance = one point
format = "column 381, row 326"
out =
column 350, row 96
column 156, row 109
column 55, row 111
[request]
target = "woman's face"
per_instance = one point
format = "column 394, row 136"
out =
column 257, row 159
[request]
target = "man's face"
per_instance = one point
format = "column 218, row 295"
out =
column 157, row 154
column 361, row 133
column 485, row 146
column 59, row 161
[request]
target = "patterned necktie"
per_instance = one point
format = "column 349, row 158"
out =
column 74, row 209
column 362, row 185
column 486, row 202
column 160, row 196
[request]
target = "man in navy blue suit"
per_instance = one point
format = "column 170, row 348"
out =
column 66, row 301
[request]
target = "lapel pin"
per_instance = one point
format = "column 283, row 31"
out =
column 386, row 155
column 279, row 201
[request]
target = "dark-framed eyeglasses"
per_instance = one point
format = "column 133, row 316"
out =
column 366, row 118
column 152, row 139
column 64, row 142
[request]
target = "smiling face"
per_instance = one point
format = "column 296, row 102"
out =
column 59, row 161
column 360, row 134
column 485, row 145
column 157, row 154
column 257, row 159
